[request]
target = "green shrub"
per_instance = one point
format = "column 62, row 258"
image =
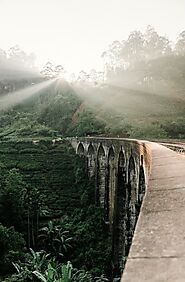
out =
column 12, row 246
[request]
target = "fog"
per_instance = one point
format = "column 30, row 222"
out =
column 142, row 82
column 12, row 99
column 16, row 64
column 75, row 33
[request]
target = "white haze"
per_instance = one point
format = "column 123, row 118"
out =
column 14, row 98
column 74, row 33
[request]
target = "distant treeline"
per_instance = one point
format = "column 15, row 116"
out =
column 148, row 60
column 142, row 94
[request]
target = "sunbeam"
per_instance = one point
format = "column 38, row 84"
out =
column 14, row 98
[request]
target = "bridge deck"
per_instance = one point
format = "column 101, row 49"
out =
column 158, row 249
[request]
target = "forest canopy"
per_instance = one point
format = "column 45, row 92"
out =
column 146, row 70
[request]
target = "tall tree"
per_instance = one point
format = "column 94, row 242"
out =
column 180, row 44
column 19, row 59
column 133, row 48
column 155, row 45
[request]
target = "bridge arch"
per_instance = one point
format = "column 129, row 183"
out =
column 91, row 160
column 90, row 149
column 111, row 153
column 80, row 149
column 101, row 151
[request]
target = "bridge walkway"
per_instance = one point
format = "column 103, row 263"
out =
column 157, row 252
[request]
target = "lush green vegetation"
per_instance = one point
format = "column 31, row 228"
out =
column 55, row 112
column 142, row 95
column 146, row 73
column 64, row 111
column 78, row 234
column 50, row 229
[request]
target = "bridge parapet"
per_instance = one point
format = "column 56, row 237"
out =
column 140, row 150
column 157, row 252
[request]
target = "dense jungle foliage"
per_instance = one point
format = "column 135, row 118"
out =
column 36, row 241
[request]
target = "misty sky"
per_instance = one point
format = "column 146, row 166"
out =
column 74, row 33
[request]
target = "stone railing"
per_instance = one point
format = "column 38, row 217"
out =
column 157, row 252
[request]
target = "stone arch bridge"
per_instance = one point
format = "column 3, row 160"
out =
column 141, row 187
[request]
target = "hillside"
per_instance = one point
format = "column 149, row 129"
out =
column 65, row 109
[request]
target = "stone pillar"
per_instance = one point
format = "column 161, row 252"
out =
column 101, row 179
column 111, row 189
column 91, row 165
column 119, row 223
column 131, row 216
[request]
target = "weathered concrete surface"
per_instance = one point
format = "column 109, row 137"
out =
column 158, row 248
